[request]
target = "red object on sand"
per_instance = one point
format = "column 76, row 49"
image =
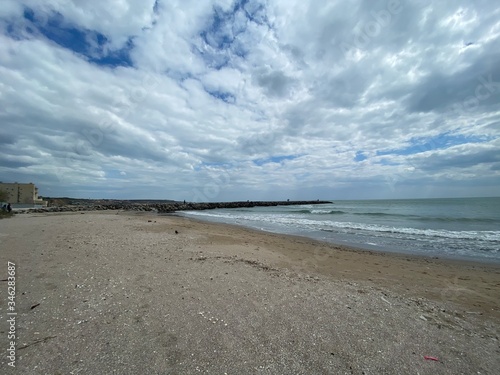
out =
column 430, row 358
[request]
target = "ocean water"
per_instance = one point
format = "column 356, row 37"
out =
column 464, row 228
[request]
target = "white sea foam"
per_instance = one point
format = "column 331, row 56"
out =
column 328, row 225
column 425, row 227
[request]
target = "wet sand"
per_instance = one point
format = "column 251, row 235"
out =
column 116, row 292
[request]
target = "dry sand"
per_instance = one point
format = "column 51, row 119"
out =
column 118, row 293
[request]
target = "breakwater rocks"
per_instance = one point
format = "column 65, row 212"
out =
column 167, row 207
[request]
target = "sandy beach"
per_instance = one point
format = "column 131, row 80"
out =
column 124, row 293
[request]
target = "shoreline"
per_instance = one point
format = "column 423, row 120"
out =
column 369, row 248
column 450, row 247
column 365, row 264
column 125, row 292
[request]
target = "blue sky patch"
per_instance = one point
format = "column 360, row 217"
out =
column 89, row 43
column 385, row 161
column 360, row 156
column 219, row 32
column 439, row 142
column 220, row 95
column 222, row 31
column 255, row 12
column 274, row 159
column 116, row 58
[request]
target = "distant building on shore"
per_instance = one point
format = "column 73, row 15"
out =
column 25, row 194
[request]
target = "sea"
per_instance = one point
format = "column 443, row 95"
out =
column 459, row 228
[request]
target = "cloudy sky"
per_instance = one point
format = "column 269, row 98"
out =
column 251, row 99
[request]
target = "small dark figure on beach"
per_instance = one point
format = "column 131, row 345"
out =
column 9, row 208
column 4, row 207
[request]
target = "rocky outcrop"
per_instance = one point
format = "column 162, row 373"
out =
column 170, row 206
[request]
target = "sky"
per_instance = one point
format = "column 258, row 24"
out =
column 223, row 100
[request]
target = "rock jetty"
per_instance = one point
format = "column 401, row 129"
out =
column 166, row 207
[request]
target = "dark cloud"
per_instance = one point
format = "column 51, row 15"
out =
column 475, row 88
column 7, row 139
column 11, row 163
column 437, row 161
column 275, row 83
column 343, row 90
